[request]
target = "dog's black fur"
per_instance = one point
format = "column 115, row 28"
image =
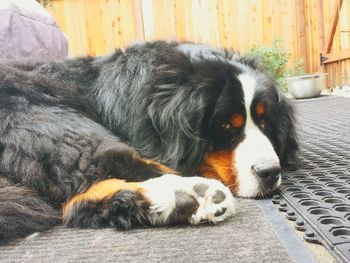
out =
column 66, row 125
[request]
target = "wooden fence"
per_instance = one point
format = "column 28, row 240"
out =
column 336, row 48
column 97, row 26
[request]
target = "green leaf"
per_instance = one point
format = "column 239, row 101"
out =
column 277, row 61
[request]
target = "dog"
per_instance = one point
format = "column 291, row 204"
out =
column 157, row 134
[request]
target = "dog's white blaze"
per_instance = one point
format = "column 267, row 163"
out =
column 248, row 85
column 256, row 145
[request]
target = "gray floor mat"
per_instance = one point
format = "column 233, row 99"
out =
column 317, row 196
column 248, row 237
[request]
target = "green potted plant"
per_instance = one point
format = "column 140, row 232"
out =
column 273, row 59
column 288, row 73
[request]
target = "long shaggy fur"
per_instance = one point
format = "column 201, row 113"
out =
column 65, row 125
column 23, row 212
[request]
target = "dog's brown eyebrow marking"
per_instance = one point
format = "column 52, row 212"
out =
column 237, row 120
column 260, row 108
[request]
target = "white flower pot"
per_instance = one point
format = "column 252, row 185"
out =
column 307, row 86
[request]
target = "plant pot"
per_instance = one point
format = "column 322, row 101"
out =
column 307, row 86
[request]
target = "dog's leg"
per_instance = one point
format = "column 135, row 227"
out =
column 165, row 200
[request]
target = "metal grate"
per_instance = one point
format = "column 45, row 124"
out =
column 317, row 195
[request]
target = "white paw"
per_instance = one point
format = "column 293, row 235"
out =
column 176, row 199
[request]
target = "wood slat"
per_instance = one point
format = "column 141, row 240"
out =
column 333, row 28
column 95, row 27
column 337, row 57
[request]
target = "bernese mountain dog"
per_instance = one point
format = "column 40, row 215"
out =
column 156, row 134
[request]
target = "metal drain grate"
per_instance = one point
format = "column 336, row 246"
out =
column 317, row 196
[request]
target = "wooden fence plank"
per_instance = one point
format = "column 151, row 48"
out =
column 180, row 19
column 301, row 37
column 333, row 28
column 320, row 24
column 267, row 21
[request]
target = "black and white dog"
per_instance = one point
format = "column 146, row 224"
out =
column 158, row 134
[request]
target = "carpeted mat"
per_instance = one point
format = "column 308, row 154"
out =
column 248, row 237
column 317, row 196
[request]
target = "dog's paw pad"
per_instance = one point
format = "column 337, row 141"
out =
column 219, row 197
column 185, row 205
column 216, row 202
column 200, row 189
column 219, row 213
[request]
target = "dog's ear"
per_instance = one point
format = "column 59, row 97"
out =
column 288, row 147
column 177, row 110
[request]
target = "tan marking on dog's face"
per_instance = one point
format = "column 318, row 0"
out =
column 237, row 120
column 260, row 109
column 220, row 165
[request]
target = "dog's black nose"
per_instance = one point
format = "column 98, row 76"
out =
column 268, row 170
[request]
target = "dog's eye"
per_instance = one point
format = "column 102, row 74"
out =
column 225, row 126
column 262, row 124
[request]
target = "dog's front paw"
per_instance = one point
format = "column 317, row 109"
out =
column 176, row 199
column 216, row 202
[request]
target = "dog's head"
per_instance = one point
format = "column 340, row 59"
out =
column 223, row 114
column 255, row 129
